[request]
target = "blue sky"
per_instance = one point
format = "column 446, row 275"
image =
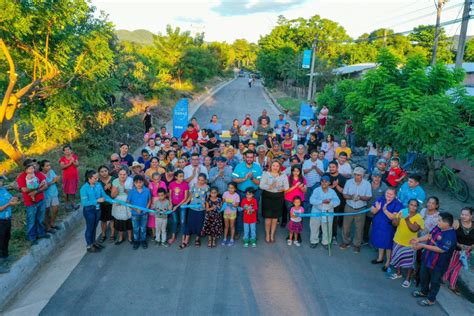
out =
column 228, row 20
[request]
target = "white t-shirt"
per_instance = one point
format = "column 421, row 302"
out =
column 372, row 149
column 345, row 169
column 188, row 171
column 312, row 177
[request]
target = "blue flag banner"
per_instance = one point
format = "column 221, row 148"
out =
column 180, row 117
column 144, row 209
column 306, row 59
column 306, row 112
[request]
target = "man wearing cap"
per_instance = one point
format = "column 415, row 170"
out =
column 378, row 190
column 192, row 171
column 382, row 168
column 411, row 190
column 221, row 175
column 32, row 185
column 6, row 202
column 279, row 125
column 247, row 174
column 323, row 199
column 357, row 192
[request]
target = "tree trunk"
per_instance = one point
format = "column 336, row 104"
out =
column 10, row 150
column 431, row 166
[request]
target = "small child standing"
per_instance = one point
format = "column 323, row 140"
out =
column 154, row 185
column 6, row 202
column 139, row 196
column 295, row 225
column 250, row 207
column 231, row 197
column 395, row 173
column 161, row 204
column 212, row 220
column 51, row 196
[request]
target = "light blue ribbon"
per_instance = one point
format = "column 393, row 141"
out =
column 324, row 214
column 224, row 206
column 136, row 207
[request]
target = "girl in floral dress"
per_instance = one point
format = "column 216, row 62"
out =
column 213, row 220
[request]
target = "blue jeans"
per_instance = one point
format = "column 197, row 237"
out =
column 306, row 204
column 250, row 229
column 351, row 140
column 430, row 282
column 239, row 223
column 35, row 219
column 139, row 227
column 92, row 216
column 371, row 160
column 411, row 157
column 174, row 220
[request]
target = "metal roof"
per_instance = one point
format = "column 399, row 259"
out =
column 468, row 67
column 354, row 68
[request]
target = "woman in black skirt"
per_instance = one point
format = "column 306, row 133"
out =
column 105, row 179
column 273, row 184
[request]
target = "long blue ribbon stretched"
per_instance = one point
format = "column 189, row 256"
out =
column 323, row 214
column 224, row 206
column 144, row 209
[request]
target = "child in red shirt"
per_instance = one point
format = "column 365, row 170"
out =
column 250, row 207
column 395, row 173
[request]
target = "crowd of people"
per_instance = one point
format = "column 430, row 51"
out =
column 182, row 190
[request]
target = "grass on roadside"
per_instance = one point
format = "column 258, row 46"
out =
column 290, row 104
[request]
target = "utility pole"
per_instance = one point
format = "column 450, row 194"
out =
column 462, row 35
column 439, row 8
column 311, row 73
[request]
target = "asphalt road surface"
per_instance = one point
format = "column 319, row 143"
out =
column 272, row 279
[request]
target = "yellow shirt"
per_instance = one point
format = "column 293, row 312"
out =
column 404, row 234
column 347, row 150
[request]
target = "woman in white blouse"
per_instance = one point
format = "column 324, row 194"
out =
column 273, row 184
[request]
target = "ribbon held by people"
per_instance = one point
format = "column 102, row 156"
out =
column 136, row 207
column 324, row 214
column 224, row 207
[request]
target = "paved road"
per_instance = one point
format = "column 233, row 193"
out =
column 270, row 279
column 234, row 101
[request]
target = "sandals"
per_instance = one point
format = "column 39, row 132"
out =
column 112, row 239
column 209, row 244
column 418, row 294
column 183, row 245
column 118, row 242
column 102, row 238
column 214, row 243
column 197, row 243
column 375, row 261
column 426, row 302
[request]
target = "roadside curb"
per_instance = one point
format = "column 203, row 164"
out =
column 24, row 269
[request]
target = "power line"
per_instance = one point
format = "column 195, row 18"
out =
column 405, row 14
column 426, row 27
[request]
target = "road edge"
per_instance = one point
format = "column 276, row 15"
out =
column 23, row 270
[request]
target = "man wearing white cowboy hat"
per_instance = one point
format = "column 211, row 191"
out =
column 137, row 169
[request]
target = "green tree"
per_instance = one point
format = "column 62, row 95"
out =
column 469, row 51
column 58, row 56
column 423, row 36
column 410, row 107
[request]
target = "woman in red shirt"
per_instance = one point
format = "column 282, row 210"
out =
column 70, row 178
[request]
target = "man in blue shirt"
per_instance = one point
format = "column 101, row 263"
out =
column 438, row 250
column 215, row 127
column 140, row 196
column 247, row 174
column 411, row 190
column 6, row 203
column 279, row 124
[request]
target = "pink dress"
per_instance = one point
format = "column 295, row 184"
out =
column 154, row 193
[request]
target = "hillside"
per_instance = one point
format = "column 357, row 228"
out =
column 137, row 36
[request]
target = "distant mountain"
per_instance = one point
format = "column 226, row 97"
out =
column 137, row 36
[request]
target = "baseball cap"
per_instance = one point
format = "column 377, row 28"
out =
column 376, row 173
column 382, row 160
column 359, row 170
column 325, row 178
column 253, row 142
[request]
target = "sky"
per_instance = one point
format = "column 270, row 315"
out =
column 227, row 20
